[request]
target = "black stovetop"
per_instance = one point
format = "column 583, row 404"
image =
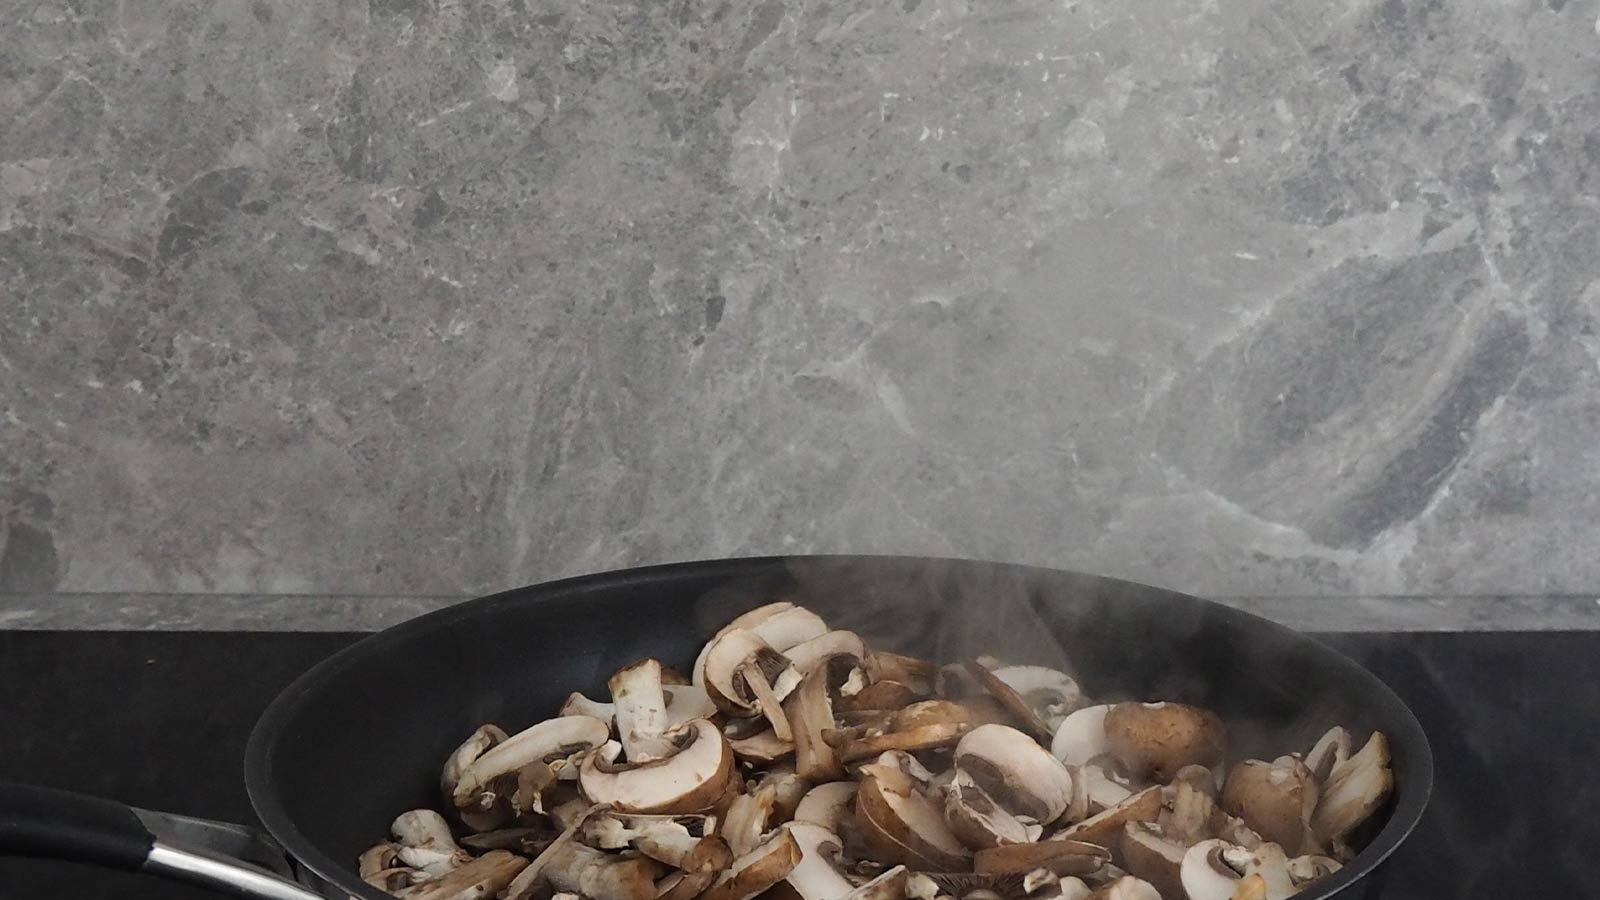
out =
column 160, row 719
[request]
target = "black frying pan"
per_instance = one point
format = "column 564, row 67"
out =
column 361, row 737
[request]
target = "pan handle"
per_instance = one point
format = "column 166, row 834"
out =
column 54, row 824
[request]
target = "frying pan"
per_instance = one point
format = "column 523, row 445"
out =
column 361, row 737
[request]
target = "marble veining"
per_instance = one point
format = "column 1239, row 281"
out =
column 429, row 298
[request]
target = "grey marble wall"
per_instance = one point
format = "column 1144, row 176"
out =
column 434, row 296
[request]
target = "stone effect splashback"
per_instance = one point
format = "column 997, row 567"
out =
column 428, row 296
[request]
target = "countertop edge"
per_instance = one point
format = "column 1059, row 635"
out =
column 347, row 613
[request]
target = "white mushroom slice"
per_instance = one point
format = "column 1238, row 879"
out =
column 743, row 621
column 1331, row 750
column 1082, row 736
column 1275, row 799
column 1014, row 770
column 789, row 789
column 757, row 870
column 686, row 702
column 1075, row 889
column 477, row 879
column 827, row 804
column 810, row 654
column 1102, row 791
column 1193, row 811
column 1053, row 695
column 478, row 743
column 746, row 677
column 577, row 704
column 746, row 820
column 1354, row 791
column 551, row 739
column 901, row 825
column 1269, row 862
column 667, row 839
column 691, row 780
column 426, row 842
column 816, row 877
column 1205, row 875
column 641, row 710
column 789, row 628
column 920, row 887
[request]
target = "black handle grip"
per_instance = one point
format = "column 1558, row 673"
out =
column 45, row 822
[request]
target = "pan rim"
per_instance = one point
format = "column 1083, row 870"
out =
column 274, row 816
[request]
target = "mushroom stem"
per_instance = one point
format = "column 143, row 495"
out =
column 641, row 709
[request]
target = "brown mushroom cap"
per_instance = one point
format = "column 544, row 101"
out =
column 977, row 820
column 882, row 694
column 902, row 826
column 1155, row 740
column 1020, row 710
column 1052, row 694
column 810, row 712
column 689, row 781
column 762, row 748
column 1275, row 799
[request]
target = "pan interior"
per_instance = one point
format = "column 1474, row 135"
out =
column 361, row 737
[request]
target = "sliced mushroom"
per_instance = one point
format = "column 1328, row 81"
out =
column 1126, row 888
column 577, row 704
column 685, row 702
column 1269, row 863
column 890, row 884
column 552, row 739
column 817, row 877
column 1253, row 887
column 1330, row 750
column 1275, row 799
column 1204, row 873
column 700, row 868
column 977, row 820
column 827, row 804
column 1052, row 694
column 745, row 677
column 810, row 712
column 743, row 621
column 884, row 694
column 901, row 825
column 747, row 819
column 666, row 839
column 1155, row 740
column 1354, row 790
column 810, row 654
column 912, row 671
column 788, row 787
column 1063, row 857
column 923, row 725
column 1147, row 852
column 1018, row 773
column 1102, row 789
column 757, row 870
column 1082, row 736
column 762, row 748
column 980, row 885
column 1075, row 889
column 641, row 711
column 478, row 743
column 1019, row 709
column 426, row 842
column 691, row 780
column 1105, row 828
column 477, row 879
column 1193, row 810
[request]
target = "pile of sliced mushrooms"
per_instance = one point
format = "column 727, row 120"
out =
column 794, row 762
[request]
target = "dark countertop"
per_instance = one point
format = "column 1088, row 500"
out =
column 160, row 720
